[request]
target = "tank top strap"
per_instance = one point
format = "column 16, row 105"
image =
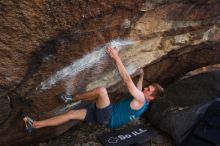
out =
column 146, row 102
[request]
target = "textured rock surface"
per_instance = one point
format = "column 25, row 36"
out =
column 185, row 103
column 47, row 47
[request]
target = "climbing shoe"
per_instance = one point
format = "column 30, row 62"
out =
column 28, row 122
column 63, row 97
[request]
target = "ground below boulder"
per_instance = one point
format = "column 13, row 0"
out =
column 86, row 135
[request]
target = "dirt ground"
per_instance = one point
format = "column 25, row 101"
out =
column 86, row 134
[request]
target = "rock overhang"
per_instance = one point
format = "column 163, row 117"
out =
column 39, row 40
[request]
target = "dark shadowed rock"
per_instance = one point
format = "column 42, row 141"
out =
column 184, row 102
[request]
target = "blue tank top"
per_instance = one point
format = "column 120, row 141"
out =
column 123, row 113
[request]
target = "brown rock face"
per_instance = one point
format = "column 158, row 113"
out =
column 47, row 47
